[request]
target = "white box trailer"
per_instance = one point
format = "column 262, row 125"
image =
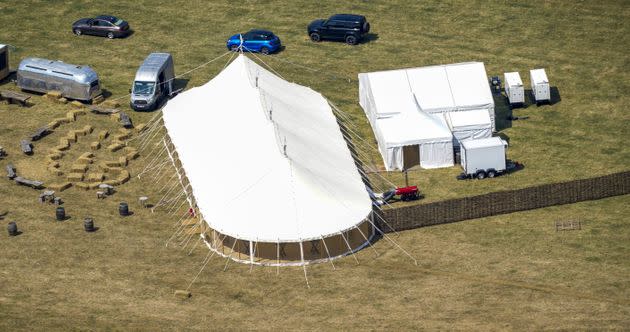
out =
column 540, row 85
column 484, row 157
column 4, row 61
column 514, row 88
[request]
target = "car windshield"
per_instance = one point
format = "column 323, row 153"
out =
column 118, row 22
column 143, row 88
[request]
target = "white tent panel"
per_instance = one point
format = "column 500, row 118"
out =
column 265, row 158
column 467, row 125
column 386, row 96
column 469, row 85
column 429, row 132
column 431, row 88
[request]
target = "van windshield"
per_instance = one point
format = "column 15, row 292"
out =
column 143, row 88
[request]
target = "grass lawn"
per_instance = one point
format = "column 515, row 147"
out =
column 506, row 272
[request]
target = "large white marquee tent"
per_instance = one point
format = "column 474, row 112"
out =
column 268, row 169
column 421, row 105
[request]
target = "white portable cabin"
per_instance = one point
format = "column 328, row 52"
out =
column 486, row 155
column 467, row 125
column 514, row 88
column 406, row 135
column 540, row 85
column 4, row 61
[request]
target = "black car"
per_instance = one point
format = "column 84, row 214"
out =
column 104, row 25
column 346, row 27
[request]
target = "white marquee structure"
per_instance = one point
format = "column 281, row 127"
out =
column 264, row 162
column 413, row 112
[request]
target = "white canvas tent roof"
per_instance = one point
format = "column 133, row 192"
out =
column 467, row 125
column 265, row 158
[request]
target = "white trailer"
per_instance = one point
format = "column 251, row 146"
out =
column 514, row 88
column 4, row 61
column 540, row 85
column 484, row 157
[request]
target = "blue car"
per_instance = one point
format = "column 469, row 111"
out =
column 262, row 41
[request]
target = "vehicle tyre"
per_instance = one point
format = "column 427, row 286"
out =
column 481, row 175
column 234, row 48
column 351, row 40
column 110, row 35
column 315, row 37
column 491, row 173
column 366, row 27
column 264, row 51
column 78, row 32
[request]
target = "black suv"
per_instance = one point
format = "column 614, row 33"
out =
column 347, row 27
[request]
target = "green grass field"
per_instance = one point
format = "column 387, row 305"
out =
column 506, row 272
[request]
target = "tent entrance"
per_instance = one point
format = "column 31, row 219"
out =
column 411, row 156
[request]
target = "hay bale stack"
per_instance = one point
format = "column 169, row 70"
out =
column 122, row 160
column 141, row 127
column 115, row 117
column 79, row 168
column 87, row 129
column 98, row 99
column 55, row 171
column 60, row 186
column 111, row 103
column 75, row 177
column 114, row 163
column 54, row 124
column 103, row 135
column 95, row 177
column 83, row 161
column 123, row 177
column 112, row 182
column 82, row 185
column 62, row 120
column 71, row 116
column 53, row 95
column 95, row 146
column 64, row 144
column 115, row 147
column 77, row 104
column 131, row 153
column 55, row 155
column 62, row 100
column 87, row 155
column 71, row 137
column 53, row 163
column 78, row 112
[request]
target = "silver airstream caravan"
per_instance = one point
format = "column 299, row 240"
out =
column 74, row 82
column 4, row 61
column 153, row 82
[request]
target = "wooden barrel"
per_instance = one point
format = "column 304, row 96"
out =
column 123, row 209
column 60, row 213
column 88, row 224
column 12, row 228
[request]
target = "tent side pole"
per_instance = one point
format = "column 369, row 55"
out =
column 278, row 257
column 227, row 261
column 328, row 253
column 251, row 256
column 303, row 264
column 349, row 248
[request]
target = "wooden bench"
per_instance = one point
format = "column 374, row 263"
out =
column 125, row 120
column 26, row 147
column 102, row 110
column 11, row 171
column 41, row 132
column 29, row 183
column 12, row 97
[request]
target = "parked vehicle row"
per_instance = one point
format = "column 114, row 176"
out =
column 154, row 79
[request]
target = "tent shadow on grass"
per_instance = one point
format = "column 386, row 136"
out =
column 502, row 111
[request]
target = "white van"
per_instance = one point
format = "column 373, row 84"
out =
column 153, row 82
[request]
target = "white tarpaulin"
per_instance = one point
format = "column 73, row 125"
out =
column 265, row 158
column 468, row 125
